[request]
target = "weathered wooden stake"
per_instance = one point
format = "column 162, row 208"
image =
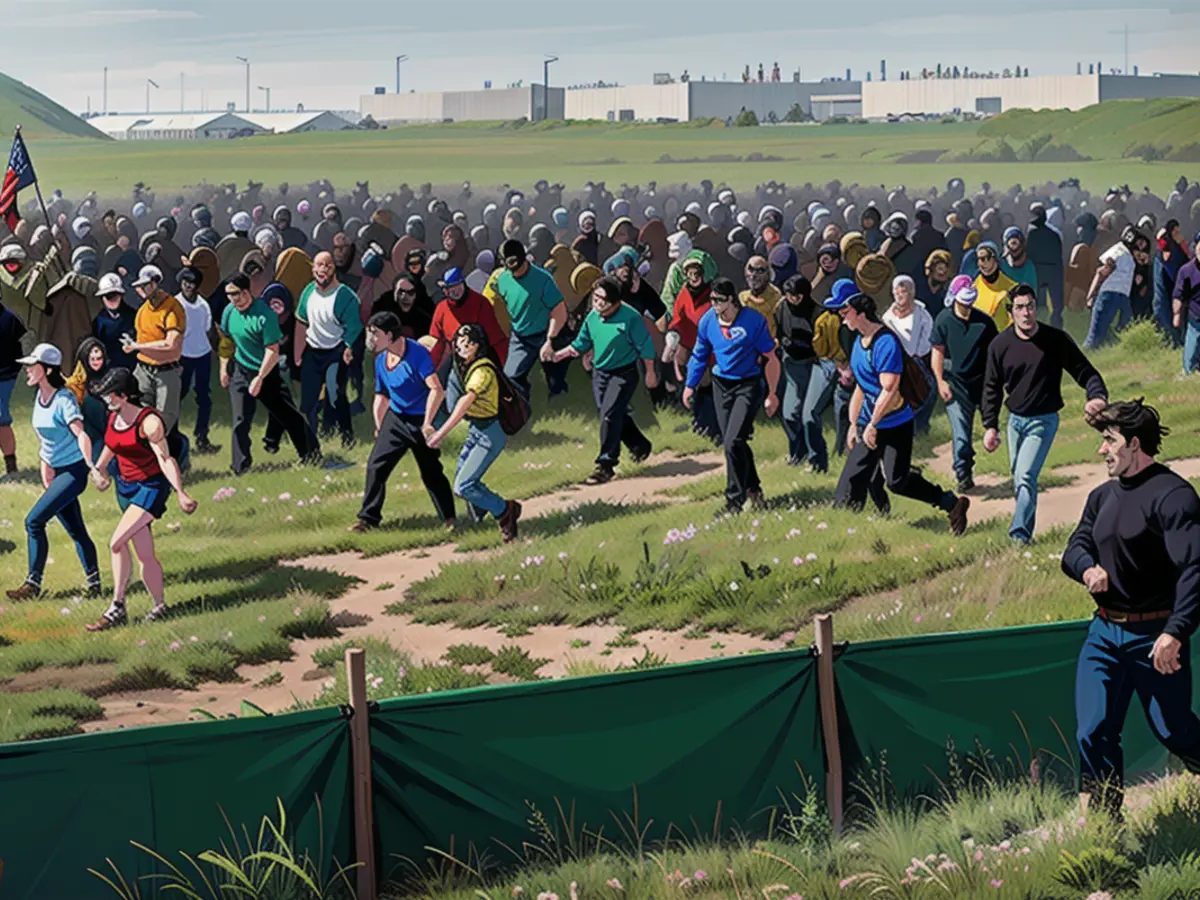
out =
column 360, row 755
column 823, row 625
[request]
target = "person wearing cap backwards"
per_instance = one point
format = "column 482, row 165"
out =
column 1185, row 306
column 538, row 312
column 12, row 331
column 881, row 420
column 250, row 372
column 408, row 395
column 737, row 341
column 460, row 306
column 617, row 334
column 159, row 325
column 992, row 285
column 114, row 325
column 1137, row 550
column 66, row 460
column 328, row 322
column 1027, row 362
column 961, row 337
column 136, row 438
column 197, row 353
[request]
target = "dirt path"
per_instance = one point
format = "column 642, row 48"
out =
column 361, row 610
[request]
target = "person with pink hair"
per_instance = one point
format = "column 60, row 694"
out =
column 960, row 340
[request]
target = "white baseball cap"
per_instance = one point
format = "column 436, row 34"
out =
column 110, row 284
column 45, row 354
column 148, row 274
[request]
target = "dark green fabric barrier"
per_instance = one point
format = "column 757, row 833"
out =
column 908, row 695
column 721, row 735
column 69, row 803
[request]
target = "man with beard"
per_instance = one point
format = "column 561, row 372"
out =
column 292, row 236
column 328, row 324
column 344, row 253
column 1016, row 263
column 760, row 295
column 462, row 306
column 830, row 269
column 1045, row 249
column 197, row 354
column 537, row 311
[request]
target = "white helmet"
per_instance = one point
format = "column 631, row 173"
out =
column 110, row 284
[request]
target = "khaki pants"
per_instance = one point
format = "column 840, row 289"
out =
column 163, row 388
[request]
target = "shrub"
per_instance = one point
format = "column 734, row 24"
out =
column 515, row 662
column 797, row 114
column 746, row 119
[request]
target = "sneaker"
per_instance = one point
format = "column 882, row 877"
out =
column 115, row 616
column 451, row 525
column 158, row 613
column 205, row 448
column 642, row 455
column 27, row 591
column 958, row 515
column 602, row 474
column 757, row 501
column 966, row 483
column 94, row 591
column 361, row 527
column 508, row 521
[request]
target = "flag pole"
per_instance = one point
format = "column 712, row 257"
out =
column 45, row 213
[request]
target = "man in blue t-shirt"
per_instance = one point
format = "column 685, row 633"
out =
column 408, row 395
column 881, row 434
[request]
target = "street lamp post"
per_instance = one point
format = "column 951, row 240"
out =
column 399, row 59
column 243, row 59
column 150, row 83
column 268, row 91
column 546, row 85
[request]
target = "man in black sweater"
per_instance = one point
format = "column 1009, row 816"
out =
column 1027, row 362
column 1137, row 549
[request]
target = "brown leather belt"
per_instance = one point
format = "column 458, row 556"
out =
column 1121, row 618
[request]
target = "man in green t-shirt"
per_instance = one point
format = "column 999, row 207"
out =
column 250, row 370
column 617, row 335
column 537, row 311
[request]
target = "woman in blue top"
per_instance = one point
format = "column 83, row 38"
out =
column 881, row 434
column 737, row 341
column 66, row 455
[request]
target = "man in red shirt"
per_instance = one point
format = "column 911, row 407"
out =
column 461, row 306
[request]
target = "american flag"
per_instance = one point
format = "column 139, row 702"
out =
column 19, row 175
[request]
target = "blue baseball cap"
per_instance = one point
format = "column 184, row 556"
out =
column 452, row 276
column 844, row 290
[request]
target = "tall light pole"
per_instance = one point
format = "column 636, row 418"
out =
column 150, row 83
column 182, row 104
column 268, row 90
column 243, row 59
column 399, row 59
column 546, row 85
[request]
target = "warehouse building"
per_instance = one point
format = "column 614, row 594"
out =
column 175, row 126
column 298, row 122
column 503, row 104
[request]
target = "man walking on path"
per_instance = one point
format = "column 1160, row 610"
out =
column 1137, row 549
column 961, row 338
column 537, row 312
column 328, row 323
column 251, row 374
column 617, row 333
column 197, row 353
column 1027, row 362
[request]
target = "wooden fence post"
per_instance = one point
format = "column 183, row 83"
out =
column 823, row 625
column 360, row 755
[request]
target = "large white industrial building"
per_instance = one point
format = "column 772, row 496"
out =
column 214, row 125
column 689, row 101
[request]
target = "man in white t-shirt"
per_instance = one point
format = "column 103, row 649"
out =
column 197, row 354
column 1108, row 297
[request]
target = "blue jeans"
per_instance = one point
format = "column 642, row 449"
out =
column 1029, row 440
column 925, row 412
column 523, row 352
column 198, row 371
column 485, row 440
column 1113, row 665
column 6, row 392
column 1109, row 306
column 61, row 501
column 823, row 388
column 961, row 411
column 325, row 368
column 797, row 376
column 1191, row 347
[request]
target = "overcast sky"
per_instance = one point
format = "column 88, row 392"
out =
column 325, row 54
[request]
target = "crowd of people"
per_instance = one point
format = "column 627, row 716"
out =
column 790, row 302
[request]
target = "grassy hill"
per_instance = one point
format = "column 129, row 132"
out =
column 1167, row 129
column 37, row 114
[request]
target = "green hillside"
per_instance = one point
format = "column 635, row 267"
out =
column 37, row 114
column 1167, row 129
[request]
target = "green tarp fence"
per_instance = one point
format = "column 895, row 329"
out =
column 704, row 744
column 67, row 804
column 1012, row 690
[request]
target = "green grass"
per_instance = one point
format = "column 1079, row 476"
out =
column 43, row 714
column 491, row 154
column 39, row 116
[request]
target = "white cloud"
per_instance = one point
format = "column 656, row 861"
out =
column 126, row 16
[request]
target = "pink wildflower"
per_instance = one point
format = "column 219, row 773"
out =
column 615, row 884
column 997, row 882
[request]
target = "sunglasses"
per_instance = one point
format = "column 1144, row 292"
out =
column 716, row 299
column 757, row 271
column 403, row 293
column 513, row 262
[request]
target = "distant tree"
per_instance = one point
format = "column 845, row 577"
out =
column 746, row 119
column 797, row 114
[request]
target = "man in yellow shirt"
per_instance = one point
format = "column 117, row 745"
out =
column 992, row 285
column 159, row 325
column 761, row 294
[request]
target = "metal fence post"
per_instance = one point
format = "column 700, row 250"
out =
column 823, row 625
column 360, row 755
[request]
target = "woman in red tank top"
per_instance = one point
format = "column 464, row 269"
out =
column 146, row 472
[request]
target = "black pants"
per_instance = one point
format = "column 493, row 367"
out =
column 736, row 404
column 276, row 397
column 892, row 457
column 397, row 435
column 274, row 432
column 614, row 391
column 325, row 368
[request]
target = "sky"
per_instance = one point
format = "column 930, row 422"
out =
column 326, row 54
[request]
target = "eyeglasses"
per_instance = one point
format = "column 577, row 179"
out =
column 757, row 271
column 716, row 299
column 401, row 292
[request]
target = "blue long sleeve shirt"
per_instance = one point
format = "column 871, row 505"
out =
column 734, row 350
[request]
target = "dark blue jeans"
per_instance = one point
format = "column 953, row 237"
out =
column 61, row 501
column 523, row 353
column 1114, row 665
column 328, row 368
column 198, row 371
